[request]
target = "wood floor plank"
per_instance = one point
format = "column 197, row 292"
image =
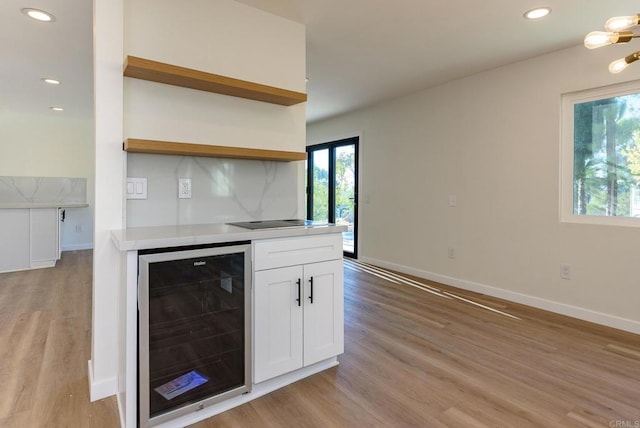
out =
column 622, row 350
column 19, row 387
column 17, row 420
column 327, row 402
column 456, row 417
column 25, row 338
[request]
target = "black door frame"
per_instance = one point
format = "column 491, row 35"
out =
column 332, row 185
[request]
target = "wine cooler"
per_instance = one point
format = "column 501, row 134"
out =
column 194, row 329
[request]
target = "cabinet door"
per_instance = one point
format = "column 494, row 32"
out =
column 14, row 239
column 277, row 321
column 323, row 311
column 44, row 237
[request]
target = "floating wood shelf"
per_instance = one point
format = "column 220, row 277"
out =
column 132, row 145
column 160, row 72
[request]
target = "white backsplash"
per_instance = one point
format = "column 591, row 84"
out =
column 42, row 190
column 223, row 190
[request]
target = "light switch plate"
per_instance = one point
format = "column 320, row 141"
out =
column 136, row 188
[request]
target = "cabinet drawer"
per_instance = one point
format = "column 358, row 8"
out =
column 274, row 253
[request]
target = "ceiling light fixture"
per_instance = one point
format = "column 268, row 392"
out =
column 38, row 15
column 620, row 64
column 617, row 32
column 537, row 13
column 618, row 23
column 56, row 108
column 50, row 81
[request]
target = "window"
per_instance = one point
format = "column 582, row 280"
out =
column 601, row 156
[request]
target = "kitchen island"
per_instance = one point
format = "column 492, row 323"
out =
column 295, row 315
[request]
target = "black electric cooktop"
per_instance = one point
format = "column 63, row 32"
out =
column 271, row 224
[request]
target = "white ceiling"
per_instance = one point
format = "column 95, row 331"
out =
column 359, row 52
column 31, row 50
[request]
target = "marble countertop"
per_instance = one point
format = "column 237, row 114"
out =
column 142, row 238
column 35, row 205
column 42, row 192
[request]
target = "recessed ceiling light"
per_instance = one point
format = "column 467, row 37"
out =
column 38, row 15
column 537, row 13
column 50, row 81
column 56, row 108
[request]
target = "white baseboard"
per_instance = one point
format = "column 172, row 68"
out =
column 121, row 411
column 103, row 389
column 512, row 296
column 42, row 264
column 77, row 247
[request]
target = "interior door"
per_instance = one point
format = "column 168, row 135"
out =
column 332, row 188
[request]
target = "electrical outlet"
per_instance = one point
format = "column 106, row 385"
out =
column 78, row 228
column 184, row 188
column 565, row 271
column 451, row 252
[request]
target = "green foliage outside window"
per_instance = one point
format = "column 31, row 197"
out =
column 606, row 170
column 345, row 179
column 344, row 194
column 320, row 194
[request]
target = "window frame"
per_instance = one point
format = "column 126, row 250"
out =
column 568, row 101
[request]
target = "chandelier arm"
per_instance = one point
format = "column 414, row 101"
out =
column 624, row 36
column 632, row 57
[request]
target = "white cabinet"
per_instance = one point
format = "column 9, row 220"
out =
column 29, row 238
column 14, row 239
column 298, row 309
column 44, row 237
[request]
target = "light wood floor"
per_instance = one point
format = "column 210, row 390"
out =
column 45, row 327
column 412, row 359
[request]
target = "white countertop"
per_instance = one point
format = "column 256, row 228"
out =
column 142, row 238
column 36, row 205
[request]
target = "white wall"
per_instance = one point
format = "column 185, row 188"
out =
column 52, row 145
column 109, row 176
column 230, row 39
column 222, row 37
column 493, row 141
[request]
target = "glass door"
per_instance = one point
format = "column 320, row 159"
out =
column 319, row 192
column 194, row 330
column 332, row 187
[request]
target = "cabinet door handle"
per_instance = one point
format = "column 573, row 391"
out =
column 298, row 299
column 311, row 289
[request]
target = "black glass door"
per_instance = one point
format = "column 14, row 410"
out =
column 197, row 331
column 332, row 188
